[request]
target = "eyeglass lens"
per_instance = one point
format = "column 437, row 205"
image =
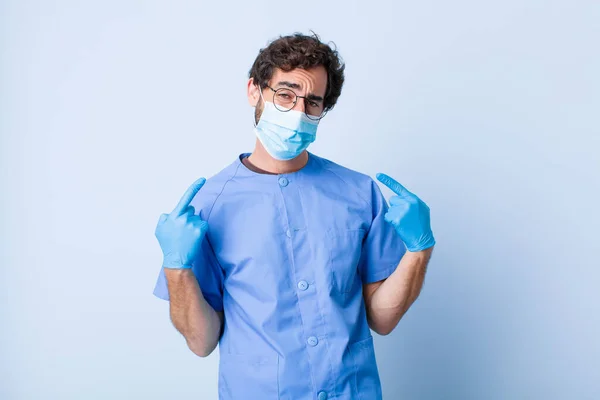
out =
column 285, row 99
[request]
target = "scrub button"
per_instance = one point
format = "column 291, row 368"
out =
column 302, row 285
column 283, row 181
column 312, row 341
column 288, row 233
column 322, row 395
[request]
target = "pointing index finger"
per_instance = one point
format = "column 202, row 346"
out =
column 188, row 196
column 395, row 186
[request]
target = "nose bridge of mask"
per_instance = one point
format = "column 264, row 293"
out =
column 292, row 119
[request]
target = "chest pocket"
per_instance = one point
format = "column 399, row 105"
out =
column 345, row 246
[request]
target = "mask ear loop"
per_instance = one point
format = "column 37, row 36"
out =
column 261, row 96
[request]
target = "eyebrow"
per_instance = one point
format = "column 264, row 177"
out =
column 293, row 85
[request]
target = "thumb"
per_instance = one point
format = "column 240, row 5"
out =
column 163, row 218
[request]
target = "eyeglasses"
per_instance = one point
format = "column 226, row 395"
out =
column 285, row 99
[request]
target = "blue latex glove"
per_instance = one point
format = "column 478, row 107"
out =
column 180, row 233
column 409, row 215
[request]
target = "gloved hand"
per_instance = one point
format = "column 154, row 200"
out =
column 409, row 215
column 180, row 233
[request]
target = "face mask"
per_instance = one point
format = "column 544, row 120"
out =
column 285, row 134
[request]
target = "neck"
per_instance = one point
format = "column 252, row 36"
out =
column 263, row 160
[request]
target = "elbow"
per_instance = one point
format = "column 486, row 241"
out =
column 384, row 323
column 200, row 349
column 383, row 326
column 201, row 353
column 382, row 330
column 199, row 342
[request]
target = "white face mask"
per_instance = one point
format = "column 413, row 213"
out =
column 285, row 135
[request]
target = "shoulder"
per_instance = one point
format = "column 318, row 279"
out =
column 214, row 186
column 356, row 181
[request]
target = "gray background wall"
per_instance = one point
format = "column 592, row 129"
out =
column 487, row 110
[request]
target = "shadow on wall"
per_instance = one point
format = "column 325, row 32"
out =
column 453, row 342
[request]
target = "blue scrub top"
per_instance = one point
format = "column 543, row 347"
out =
column 285, row 258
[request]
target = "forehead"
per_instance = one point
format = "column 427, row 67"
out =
column 313, row 80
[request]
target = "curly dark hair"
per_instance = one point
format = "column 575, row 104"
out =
column 300, row 51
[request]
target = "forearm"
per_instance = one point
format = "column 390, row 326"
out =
column 191, row 315
column 397, row 293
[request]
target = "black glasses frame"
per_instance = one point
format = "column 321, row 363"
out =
column 311, row 117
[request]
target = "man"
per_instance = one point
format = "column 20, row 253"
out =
column 286, row 259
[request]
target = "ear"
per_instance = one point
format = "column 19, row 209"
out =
column 253, row 94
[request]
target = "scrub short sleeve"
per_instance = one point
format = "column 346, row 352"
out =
column 382, row 247
column 208, row 273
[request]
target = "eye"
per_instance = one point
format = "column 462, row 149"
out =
column 313, row 104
